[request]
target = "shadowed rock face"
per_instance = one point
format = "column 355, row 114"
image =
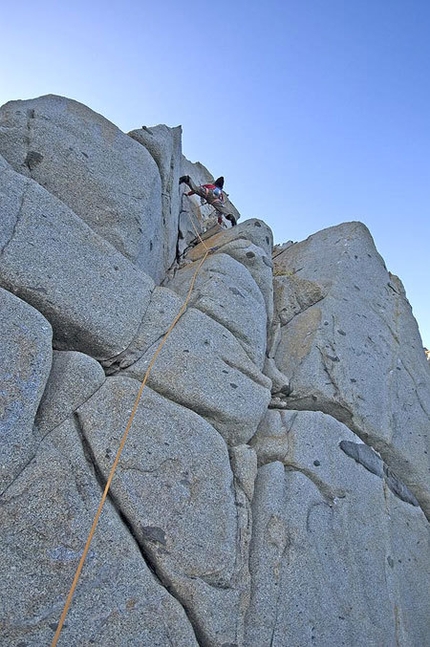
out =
column 272, row 487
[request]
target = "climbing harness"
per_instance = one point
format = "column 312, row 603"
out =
column 123, row 441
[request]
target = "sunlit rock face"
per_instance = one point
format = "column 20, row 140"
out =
column 353, row 349
column 106, row 178
column 274, row 486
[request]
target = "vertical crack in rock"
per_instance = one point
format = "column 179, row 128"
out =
column 31, row 114
column 92, row 462
column 282, row 557
column 327, row 369
column 18, row 216
column 178, row 254
column 243, row 538
column 385, row 322
column 33, row 158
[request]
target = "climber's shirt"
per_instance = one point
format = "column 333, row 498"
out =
column 213, row 193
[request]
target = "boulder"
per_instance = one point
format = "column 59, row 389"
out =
column 91, row 295
column 46, row 517
column 243, row 459
column 25, row 363
column 74, row 378
column 249, row 243
column 203, row 367
column 164, row 145
column 174, row 488
column 252, row 230
column 354, row 350
column 163, row 307
column 104, row 176
column 259, row 265
column 226, row 292
column 336, row 557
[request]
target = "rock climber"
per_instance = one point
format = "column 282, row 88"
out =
column 213, row 194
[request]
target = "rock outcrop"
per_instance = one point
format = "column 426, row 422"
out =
column 353, row 350
column 274, row 486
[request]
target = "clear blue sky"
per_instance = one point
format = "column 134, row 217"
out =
column 315, row 111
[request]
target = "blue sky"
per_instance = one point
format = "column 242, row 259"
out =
column 315, row 111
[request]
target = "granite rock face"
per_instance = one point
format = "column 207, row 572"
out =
column 174, row 511
column 46, row 515
column 164, row 145
column 95, row 301
column 103, row 175
column 25, row 365
column 73, row 379
column 326, row 537
column 352, row 348
column 242, row 309
column 228, row 390
column 274, row 483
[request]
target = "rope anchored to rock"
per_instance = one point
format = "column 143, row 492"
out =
column 122, row 444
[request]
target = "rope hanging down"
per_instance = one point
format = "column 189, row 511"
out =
column 121, row 447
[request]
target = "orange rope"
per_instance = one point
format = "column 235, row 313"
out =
column 121, row 447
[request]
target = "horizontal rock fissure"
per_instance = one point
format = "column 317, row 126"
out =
column 278, row 402
column 246, row 373
column 369, row 459
column 111, row 360
column 327, row 492
column 303, row 308
column 71, row 413
column 201, row 411
column 113, row 365
column 333, row 409
column 22, row 470
column 344, row 416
